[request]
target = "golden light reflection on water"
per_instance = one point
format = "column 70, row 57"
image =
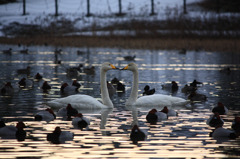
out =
column 177, row 137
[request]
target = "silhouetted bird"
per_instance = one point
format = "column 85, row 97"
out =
column 148, row 91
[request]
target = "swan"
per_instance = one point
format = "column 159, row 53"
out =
column 86, row 101
column 154, row 100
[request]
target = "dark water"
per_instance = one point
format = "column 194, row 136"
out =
column 109, row 136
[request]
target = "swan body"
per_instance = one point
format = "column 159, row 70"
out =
column 86, row 101
column 158, row 100
column 154, row 100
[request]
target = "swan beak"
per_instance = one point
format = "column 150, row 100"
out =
column 125, row 68
column 113, row 67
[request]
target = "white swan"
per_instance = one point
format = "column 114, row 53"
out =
column 86, row 101
column 155, row 100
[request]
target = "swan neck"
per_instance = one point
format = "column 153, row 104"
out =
column 134, row 92
column 104, row 91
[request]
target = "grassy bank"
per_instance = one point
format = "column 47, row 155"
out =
column 206, row 44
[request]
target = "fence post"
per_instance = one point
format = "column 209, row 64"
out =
column 88, row 9
column 24, row 7
column 120, row 7
column 56, row 7
column 184, row 7
column 152, row 7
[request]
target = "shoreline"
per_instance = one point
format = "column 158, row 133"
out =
column 127, row 42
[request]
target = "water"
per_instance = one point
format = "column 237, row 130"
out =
column 109, row 135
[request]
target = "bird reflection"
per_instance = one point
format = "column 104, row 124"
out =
column 136, row 133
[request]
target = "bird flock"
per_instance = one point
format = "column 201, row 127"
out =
column 79, row 121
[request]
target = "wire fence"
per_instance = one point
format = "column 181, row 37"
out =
column 92, row 7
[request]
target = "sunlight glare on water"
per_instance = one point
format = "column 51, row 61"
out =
column 108, row 136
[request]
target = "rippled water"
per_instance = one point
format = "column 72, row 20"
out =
column 109, row 135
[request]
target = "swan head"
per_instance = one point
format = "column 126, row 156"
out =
column 107, row 66
column 131, row 66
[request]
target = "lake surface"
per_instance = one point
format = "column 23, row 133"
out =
column 186, row 135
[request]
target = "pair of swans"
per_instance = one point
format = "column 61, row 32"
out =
column 88, row 102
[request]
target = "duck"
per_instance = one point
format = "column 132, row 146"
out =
column 13, row 132
column 68, row 90
column 155, row 100
column 89, row 70
column 137, row 134
column 58, row 136
column 148, row 91
column 85, row 101
column 236, row 125
column 58, row 51
column 118, row 85
column 74, row 71
column 76, row 84
column 38, row 76
column 115, row 81
column 169, row 112
column 222, row 134
column 173, row 86
column 45, row 115
column 183, row 51
column 7, row 89
column 46, row 86
column 215, row 120
column 68, row 111
column 80, row 121
column 226, row 70
column 129, row 58
column 8, row 51
column 194, row 96
column 220, row 108
column 154, row 116
column 24, row 51
column 111, row 89
column 188, row 89
column 195, row 83
column 25, row 83
column 24, row 70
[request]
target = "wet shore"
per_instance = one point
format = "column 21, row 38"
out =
column 129, row 42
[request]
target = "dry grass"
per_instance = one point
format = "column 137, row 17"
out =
column 207, row 44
